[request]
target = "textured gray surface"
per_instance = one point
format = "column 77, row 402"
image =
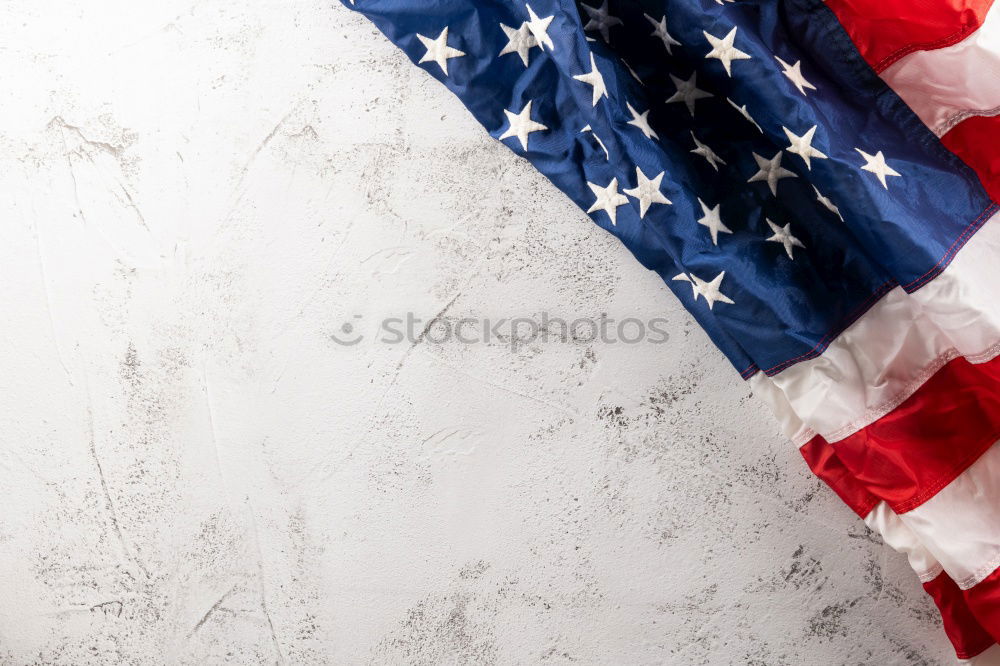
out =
column 196, row 196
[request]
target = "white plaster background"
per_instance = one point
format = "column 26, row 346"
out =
column 194, row 196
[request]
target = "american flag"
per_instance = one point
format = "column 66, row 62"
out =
column 813, row 181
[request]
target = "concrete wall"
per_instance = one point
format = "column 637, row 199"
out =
column 196, row 198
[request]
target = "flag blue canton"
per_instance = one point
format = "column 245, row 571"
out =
column 742, row 150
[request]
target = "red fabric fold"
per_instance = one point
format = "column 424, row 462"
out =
column 964, row 631
column 984, row 601
column 977, row 141
column 886, row 30
column 825, row 464
column 908, row 455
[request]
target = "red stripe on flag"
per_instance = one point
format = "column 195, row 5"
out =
column 964, row 631
column 976, row 141
column 984, row 601
column 886, row 30
column 914, row 451
column 825, row 464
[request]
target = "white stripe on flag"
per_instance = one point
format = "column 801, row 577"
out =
column 898, row 536
column 958, row 525
column 945, row 86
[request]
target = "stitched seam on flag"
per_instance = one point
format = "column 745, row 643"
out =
column 965, row 655
column 962, row 655
column 803, row 438
column 976, row 650
column 750, row 371
column 950, row 40
column 959, row 243
column 949, row 124
column 879, row 411
column 874, row 413
column 864, row 509
column 980, row 574
column 930, row 574
column 925, row 575
column 827, row 339
column 980, row 448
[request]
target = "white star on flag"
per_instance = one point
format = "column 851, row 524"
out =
column 593, row 78
column 827, row 204
column 660, row 32
column 710, row 291
column 519, row 41
column 784, row 236
column 794, row 74
column 590, row 130
column 802, row 145
column 438, row 50
column 521, row 125
column 713, row 220
column 641, row 120
column 632, row 72
column 746, row 114
column 539, row 28
column 723, row 50
column 647, row 191
column 876, row 165
column 608, row 199
column 707, row 153
column 687, row 92
column 600, row 20
column 770, row 172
